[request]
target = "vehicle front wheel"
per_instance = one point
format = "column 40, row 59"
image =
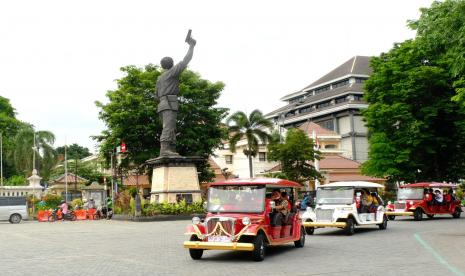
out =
column 350, row 227
column 418, row 214
column 196, row 254
column 391, row 217
column 300, row 242
column 258, row 253
column 456, row 213
column 15, row 218
column 383, row 225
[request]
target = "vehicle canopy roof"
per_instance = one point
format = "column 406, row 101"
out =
column 429, row 185
column 268, row 182
column 354, row 184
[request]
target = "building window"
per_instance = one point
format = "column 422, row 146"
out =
column 328, row 124
column 295, row 100
column 262, row 156
column 341, row 100
column 305, row 109
column 330, row 146
column 358, row 80
column 322, row 89
column 322, row 105
column 186, row 197
column 229, row 159
column 340, row 83
column 358, row 98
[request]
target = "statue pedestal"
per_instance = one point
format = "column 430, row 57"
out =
column 174, row 178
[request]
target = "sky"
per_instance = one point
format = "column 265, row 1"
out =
column 58, row 57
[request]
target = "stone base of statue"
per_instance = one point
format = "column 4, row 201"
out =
column 175, row 178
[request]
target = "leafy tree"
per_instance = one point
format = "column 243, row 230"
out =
column 294, row 155
column 252, row 128
column 416, row 131
column 441, row 34
column 74, row 151
column 87, row 170
column 131, row 116
column 9, row 126
column 23, row 149
column 16, row 180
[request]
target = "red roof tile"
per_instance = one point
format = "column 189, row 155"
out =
column 309, row 127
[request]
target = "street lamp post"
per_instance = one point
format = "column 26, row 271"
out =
column 1, row 158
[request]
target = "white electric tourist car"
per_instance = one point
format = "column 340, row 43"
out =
column 346, row 205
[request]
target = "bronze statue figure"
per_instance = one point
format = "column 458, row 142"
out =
column 167, row 94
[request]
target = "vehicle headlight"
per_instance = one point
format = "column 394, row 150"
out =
column 411, row 202
column 246, row 220
column 309, row 209
column 195, row 220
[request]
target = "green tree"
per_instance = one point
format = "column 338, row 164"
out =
column 441, row 35
column 87, row 170
column 131, row 116
column 9, row 126
column 252, row 129
column 416, row 131
column 294, row 155
column 74, row 151
column 23, row 149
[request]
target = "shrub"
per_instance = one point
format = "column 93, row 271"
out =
column 123, row 201
column 77, row 202
column 166, row 208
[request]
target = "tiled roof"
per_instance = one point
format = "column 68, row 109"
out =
column 309, row 127
column 134, row 180
column 358, row 65
column 334, row 177
column 338, row 162
column 71, row 178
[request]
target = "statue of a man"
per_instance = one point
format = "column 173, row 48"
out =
column 167, row 94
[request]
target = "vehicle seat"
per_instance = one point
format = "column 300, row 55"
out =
column 276, row 219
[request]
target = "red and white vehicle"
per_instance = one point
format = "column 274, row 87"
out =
column 241, row 217
column 415, row 200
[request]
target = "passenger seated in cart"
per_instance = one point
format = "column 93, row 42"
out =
column 366, row 201
column 280, row 210
column 375, row 203
column 438, row 198
column 285, row 196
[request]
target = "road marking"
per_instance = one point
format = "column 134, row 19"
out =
column 438, row 256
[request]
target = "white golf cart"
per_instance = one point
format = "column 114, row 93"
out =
column 339, row 205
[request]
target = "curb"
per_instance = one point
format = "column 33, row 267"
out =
column 156, row 218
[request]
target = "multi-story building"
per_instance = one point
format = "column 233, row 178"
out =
column 334, row 102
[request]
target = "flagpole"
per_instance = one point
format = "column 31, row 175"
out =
column 66, row 175
column 1, row 158
column 316, row 162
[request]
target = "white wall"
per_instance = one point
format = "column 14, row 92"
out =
column 344, row 125
column 346, row 145
column 361, row 146
column 359, row 124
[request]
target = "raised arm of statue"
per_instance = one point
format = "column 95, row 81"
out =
column 178, row 68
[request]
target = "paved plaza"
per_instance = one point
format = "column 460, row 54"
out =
column 407, row 247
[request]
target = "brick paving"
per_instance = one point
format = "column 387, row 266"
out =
column 155, row 248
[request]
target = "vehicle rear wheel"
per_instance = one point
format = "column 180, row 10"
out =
column 456, row 213
column 309, row 230
column 196, row 254
column 300, row 242
column 391, row 217
column 258, row 253
column 418, row 214
column 15, row 218
column 383, row 225
column 430, row 216
column 350, row 227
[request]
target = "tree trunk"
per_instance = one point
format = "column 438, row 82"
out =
column 250, row 166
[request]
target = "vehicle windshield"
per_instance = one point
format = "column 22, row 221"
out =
column 409, row 193
column 339, row 195
column 237, row 199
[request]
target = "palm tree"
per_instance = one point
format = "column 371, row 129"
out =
column 45, row 154
column 251, row 128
